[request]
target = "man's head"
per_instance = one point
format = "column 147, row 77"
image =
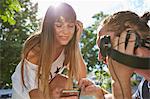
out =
column 122, row 22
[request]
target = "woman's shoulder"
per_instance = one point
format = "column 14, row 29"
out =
column 33, row 55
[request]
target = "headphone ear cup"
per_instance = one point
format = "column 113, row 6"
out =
column 102, row 47
column 105, row 45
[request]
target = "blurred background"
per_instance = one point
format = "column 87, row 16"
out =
column 20, row 18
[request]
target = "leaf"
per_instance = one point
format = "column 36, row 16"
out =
column 0, row 12
column 11, row 21
column 4, row 18
column 16, row 6
column 7, row 13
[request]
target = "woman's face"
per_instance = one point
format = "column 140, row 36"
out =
column 64, row 30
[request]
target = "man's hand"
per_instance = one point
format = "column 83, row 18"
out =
column 119, row 72
column 89, row 88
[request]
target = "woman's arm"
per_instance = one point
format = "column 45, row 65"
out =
column 79, row 27
column 82, row 65
column 33, row 58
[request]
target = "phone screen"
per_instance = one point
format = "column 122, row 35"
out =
column 66, row 93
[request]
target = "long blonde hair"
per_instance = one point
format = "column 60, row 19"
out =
column 45, row 41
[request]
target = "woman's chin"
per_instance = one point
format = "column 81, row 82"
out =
column 63, row 43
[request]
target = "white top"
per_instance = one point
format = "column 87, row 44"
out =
column 30, row 71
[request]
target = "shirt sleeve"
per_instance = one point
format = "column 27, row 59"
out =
column 30, row 76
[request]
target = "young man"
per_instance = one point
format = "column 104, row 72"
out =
column 117, row 27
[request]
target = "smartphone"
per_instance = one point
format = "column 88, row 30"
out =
column 67, row 93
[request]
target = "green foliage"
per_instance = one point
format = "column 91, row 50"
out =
column 103, row 77
column 8, row 9
column 88, row 42
column 13, row 36
column 89, row 50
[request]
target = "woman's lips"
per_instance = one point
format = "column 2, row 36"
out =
column 64, row 37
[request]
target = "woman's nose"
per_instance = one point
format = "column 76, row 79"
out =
column 65, row 29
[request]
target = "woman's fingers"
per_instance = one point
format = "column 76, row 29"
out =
column 79, row 23
column 70, row 97
column 79, row 28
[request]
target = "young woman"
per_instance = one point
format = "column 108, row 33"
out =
column 46, row 53
column 117, row 27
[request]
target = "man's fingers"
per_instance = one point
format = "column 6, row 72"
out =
column 115, row 43
column 131, row 44
column 81, row 81
column 84, row 82
column 121, row 46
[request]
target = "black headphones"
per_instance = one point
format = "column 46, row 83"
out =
column 128, row 60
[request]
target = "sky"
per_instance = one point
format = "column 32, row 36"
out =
column 85, row 9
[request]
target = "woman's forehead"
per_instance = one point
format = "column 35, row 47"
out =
column 63, row 19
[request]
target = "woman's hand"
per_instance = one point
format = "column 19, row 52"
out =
column 70, row 97
column 79, row 28
column 89, row 88
column 57, row 95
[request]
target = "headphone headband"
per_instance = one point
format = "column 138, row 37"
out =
column 128, row 60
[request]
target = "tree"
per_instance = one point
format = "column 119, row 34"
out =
column 13, row 36
column 90, row 52
column 88, row 42
column 8, row 8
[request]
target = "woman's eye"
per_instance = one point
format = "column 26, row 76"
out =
column 58, row 25
column 71, row 26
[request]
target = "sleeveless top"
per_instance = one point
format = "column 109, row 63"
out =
column 30, row 71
